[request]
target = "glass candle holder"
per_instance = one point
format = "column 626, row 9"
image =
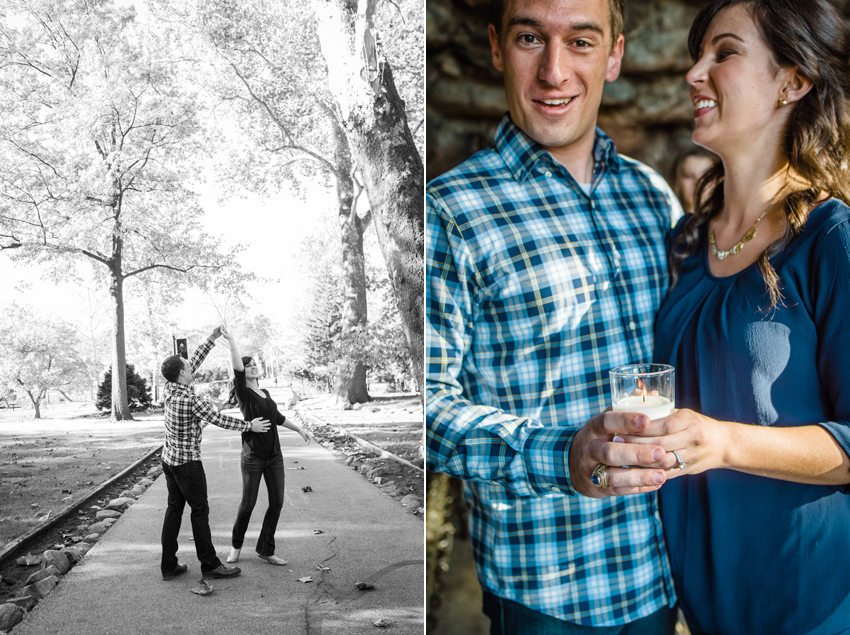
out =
column 649, row 389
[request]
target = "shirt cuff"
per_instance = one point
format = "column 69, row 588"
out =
column 840, row 430
column 546, row 454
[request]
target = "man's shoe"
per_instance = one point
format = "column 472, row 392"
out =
column 272, row 559
column 178, row 570
column 223, row 571
column 234, row 554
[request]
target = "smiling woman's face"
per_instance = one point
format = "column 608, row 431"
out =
column 735, row 85
column 252, row 369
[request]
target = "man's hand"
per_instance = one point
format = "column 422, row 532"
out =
column 594, row 444
column 226, row 334
column 260, row 425
column 215, row 334
column 304, row 436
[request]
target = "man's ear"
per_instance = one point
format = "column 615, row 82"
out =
column 615, row 59
column 496, row 49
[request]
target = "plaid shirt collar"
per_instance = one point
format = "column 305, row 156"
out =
column 173, row 389
column 522, row 154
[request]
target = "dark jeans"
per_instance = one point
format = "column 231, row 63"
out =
column 253, row 469
column 187, row 483
column 511, row 618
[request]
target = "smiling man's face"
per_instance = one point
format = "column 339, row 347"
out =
column 556, row 56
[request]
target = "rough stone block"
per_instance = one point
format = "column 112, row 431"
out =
column 10, row 614
column 41, row 588
column 76, row 552
column 119, row 504
column 41, row 574
column 91, row 538
column 26, row 602
column 101, row 527
column 57, row 559
column 412, row 501
column 107, row 513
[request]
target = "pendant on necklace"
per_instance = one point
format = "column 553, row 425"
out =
column 722, row 255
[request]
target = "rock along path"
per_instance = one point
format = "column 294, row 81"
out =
column 365, row 537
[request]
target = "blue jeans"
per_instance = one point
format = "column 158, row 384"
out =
column 187, row 483
column 511, row 618
column 253, row 469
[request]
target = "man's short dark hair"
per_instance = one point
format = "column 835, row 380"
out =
column 616, row 8
column 171, row 367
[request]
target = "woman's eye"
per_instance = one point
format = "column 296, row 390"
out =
column 722, row 55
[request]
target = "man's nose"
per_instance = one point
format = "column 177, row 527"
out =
column 554, row 67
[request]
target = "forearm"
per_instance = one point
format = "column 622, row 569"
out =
column 806, row 454
column 484, row 444
column 235, row 357
column 290, row 425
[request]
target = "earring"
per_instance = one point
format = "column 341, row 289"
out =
column 783, row 101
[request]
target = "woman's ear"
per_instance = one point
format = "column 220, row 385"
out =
column 796, row 86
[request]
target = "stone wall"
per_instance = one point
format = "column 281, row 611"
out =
column 647, row 111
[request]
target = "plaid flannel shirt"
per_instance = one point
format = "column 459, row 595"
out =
column 186, row 415
column 534, row 291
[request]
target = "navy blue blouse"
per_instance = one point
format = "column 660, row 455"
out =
column 752, row 554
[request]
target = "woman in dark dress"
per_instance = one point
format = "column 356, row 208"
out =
column 756, row 510
column 261, row 456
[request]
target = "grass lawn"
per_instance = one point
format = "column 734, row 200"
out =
column 46, row 464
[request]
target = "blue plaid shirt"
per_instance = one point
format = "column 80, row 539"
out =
column 535, row 291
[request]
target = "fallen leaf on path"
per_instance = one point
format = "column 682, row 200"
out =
column 306, row 488
column 295, row 468
column 321, row 568
column 306, row 579
column 364, row 586
column 318, row 531
column 203, row 588
column 381, row 623
column 28, row 560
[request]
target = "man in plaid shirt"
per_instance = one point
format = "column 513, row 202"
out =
column 545, row 264
column 186, row 415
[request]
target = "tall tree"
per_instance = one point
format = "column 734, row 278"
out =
column 96, row 149
column 38, row 353
column 288, row 114
column 368, row 105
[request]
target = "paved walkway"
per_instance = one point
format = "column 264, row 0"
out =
column 366, row 537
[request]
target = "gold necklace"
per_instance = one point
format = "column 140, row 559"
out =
column 722, row 255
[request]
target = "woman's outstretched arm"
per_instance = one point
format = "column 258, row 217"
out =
column 235, row 357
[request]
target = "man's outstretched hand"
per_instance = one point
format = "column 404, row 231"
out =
column 260, row 425
column 594, row 444
column 215, row 334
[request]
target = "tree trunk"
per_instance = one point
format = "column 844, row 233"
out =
column 120, row 407
column 36, row 403
column 374, row 119
column 350, row 380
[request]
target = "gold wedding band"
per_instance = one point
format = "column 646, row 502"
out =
column 599, row 476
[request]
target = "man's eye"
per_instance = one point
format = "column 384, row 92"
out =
column 582, row 43
column 527, row 38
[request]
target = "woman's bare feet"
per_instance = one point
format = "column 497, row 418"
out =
column 234, row 554
column 272, row 559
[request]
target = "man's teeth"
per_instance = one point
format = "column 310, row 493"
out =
column 705, row 103
column 556, row 102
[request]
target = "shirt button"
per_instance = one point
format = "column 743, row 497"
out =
column 632, row 325
column 548, row 173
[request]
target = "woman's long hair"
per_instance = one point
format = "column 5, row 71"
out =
column 232, row 401
column 810, row 35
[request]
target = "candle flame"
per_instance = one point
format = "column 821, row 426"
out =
column 644, row 394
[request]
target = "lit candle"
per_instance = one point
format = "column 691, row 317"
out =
column 653, row 406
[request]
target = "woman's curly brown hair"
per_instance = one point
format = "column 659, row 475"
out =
column 810, row 35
